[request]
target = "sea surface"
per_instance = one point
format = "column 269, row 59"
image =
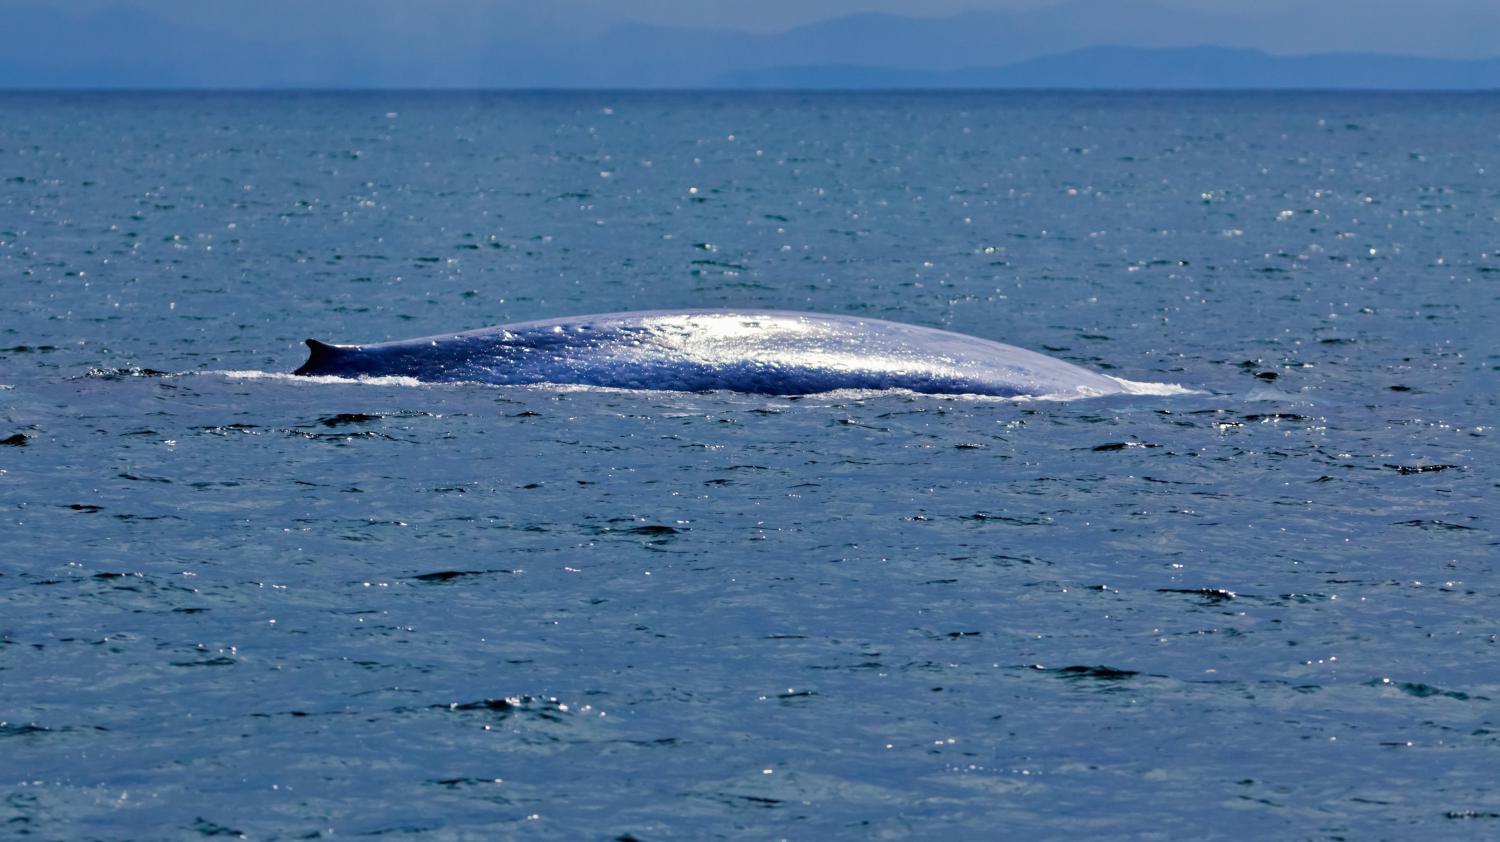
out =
column 235, row 603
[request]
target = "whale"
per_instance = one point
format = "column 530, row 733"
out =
column 767, row 352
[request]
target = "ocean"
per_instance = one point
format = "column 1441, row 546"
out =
column 239, row 603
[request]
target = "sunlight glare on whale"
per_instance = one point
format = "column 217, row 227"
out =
column 758, row 351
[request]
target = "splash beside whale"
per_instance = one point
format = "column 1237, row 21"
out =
column 758, row 351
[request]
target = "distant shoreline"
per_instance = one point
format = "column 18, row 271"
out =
column 809, row 91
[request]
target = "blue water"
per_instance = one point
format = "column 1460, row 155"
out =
column 233, row 602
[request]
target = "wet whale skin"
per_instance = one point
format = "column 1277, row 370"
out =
column 759, row 351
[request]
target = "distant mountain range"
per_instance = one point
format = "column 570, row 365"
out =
column 1100, row 44
column 1133, row 68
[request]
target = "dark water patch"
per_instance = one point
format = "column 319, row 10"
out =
column 1013, row 520
column 660, row 742
column 87, row 508
column 219, row 661
column 353, row 435
column 851, row 422
column 545, row 708
column 143, row 478
column 752, row 800
column 1421, row 690
column 719, row 264
column 1273, row 417
column 446, row 575
column 29, row 349
column 465, row 783
column 844, row 666
column 655, row 529
column 227, row 429
column 1121, row 445
column 344, row 418
column 1420, row 469
column 206, row 828
column 1006, row 560
column 1081, row 671
column 450, row 575
column 1210, row 595
column 13, row 729
column 1438, row 525
column 631, row 526
column 1160, row 481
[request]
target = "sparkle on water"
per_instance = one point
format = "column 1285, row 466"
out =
column 237, row 602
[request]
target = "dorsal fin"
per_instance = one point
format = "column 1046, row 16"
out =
column 320, row 356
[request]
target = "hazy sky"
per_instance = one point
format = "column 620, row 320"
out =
column 772, row 15
column 579, row 43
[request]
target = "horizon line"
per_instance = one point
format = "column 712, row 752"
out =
column 565, row 89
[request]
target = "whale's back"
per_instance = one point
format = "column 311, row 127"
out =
column 767, row 352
